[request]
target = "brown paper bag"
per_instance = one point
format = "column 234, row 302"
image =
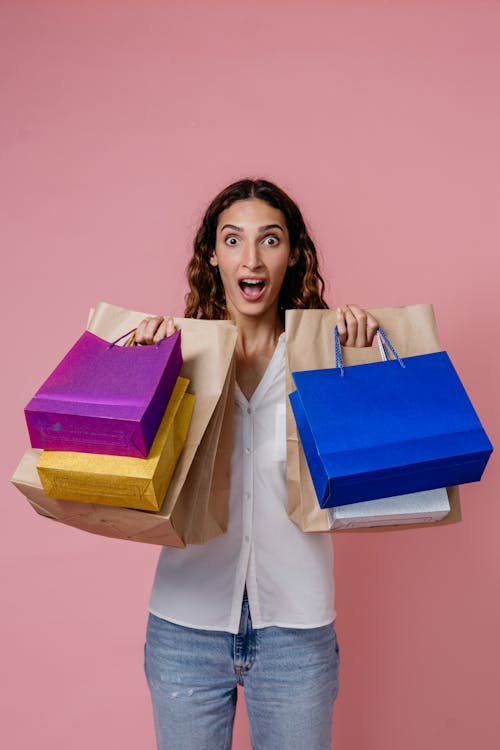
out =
column 309, row 346
column 196, row 505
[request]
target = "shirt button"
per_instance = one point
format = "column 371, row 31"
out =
column 247, row 450
column 247, row 496
column 247, row 538
column 249, row 410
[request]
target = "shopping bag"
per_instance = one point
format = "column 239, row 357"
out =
column 104, row 398
column 418, row 507
column 105, row 520
column 122, row 480
column 387, row 428
column 309, row 344
column 195, row 509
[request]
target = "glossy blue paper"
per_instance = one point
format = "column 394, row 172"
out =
column 381, row 429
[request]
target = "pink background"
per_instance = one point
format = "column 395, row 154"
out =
column 120, row 121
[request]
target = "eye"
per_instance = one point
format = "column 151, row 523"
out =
column 273, row 238
column 231, row 240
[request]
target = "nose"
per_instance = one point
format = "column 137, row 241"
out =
column 251, row 258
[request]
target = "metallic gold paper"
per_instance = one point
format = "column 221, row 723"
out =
column 122, row 481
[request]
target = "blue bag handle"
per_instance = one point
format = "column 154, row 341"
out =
column 338, row 352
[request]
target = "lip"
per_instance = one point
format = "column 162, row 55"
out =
column 251, row 278
column 253, row 297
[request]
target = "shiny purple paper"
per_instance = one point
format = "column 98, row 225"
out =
column 105, row 399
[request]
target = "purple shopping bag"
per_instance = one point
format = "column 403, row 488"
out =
column 104, row 398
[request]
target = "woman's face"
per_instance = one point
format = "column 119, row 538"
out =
column 252, row 251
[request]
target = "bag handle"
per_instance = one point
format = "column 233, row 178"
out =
column 382, row 339
column 111, row 345
column 131, row 341
column 382, row 349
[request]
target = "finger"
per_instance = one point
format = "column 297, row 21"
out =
column 161, row 331
column 372, row 327
column 170, row 326
column 139, row 331
column 361, row 325
column 341, row 326
column 352, row 326
column 147, row 328
column 151, row 329
column 165, row 329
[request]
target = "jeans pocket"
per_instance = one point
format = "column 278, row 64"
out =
column 337, row 649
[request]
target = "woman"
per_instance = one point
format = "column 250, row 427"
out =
column 254, row 606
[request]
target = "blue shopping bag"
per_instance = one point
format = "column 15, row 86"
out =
column 387, row 428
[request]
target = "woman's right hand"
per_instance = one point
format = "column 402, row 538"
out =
column 152, row 330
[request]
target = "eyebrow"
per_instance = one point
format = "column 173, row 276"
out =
column 261, row 229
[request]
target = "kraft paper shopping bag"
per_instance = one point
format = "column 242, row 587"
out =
column 196, row 505
column 310, row 345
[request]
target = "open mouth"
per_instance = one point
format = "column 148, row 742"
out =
column 252, row 289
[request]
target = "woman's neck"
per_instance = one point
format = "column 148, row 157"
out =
column 258, row 334
column 255, row 346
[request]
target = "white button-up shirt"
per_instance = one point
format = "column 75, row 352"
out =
column 288, row 573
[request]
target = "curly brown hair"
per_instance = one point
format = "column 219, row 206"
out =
column 302, row 286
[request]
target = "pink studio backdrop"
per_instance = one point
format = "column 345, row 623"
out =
column 121, row 120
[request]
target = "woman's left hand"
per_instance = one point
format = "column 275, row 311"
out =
column 356, row 326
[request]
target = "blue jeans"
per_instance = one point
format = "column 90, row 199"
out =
column 290, row 678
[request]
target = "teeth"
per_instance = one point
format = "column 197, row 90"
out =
column 252, row 281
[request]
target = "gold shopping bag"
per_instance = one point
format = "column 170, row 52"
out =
column 124, row 481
